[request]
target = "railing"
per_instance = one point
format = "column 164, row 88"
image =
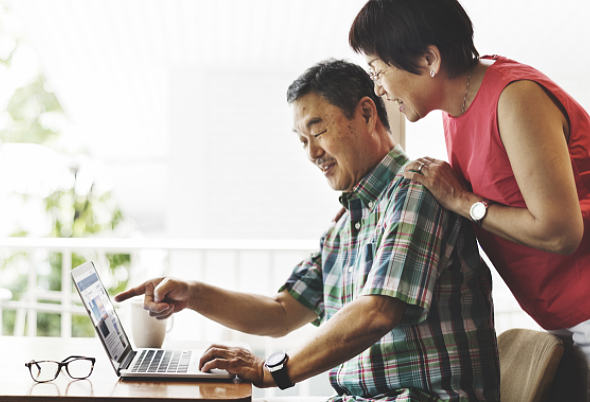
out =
column 201, row 250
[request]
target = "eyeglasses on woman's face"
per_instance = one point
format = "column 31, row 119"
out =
column 376, row 76
column 77, row 367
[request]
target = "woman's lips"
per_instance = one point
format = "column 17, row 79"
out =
column 400, row 102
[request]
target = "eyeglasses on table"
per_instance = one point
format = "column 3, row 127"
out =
column 77, row 367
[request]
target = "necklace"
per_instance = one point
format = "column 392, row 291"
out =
column 466, row 90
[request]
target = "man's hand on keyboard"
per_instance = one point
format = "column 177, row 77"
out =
column 163, row 296
column 239, row 361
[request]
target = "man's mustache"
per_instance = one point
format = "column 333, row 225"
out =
column 321, row 161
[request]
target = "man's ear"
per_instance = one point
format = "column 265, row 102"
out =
column 368, row 111
column 431, row 61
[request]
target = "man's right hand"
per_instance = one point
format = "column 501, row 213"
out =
column 163, row 296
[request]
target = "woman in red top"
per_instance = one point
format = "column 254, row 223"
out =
column 518, row 146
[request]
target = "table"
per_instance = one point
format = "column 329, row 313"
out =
column 16, row 384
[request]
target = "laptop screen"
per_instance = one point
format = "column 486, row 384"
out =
column 101, row 311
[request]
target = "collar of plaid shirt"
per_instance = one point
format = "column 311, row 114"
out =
column 373, row 184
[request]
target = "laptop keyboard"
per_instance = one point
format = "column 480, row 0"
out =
column 162, row 361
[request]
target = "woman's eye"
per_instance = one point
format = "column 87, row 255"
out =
column 318, row 135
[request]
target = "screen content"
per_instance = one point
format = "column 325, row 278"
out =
column 102, row 312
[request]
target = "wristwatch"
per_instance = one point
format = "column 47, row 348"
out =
column 479, row 211
column 276, row 365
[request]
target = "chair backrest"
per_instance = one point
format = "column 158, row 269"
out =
column 528, row 361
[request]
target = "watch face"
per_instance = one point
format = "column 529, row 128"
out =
column 478, row 211
column 276, row 358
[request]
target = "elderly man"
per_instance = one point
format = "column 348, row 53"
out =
column 400, row 293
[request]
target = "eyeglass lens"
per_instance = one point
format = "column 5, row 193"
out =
column 44, row 371
column 79, row 368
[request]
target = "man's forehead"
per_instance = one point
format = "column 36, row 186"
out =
column 315, row 104
column 308, row 110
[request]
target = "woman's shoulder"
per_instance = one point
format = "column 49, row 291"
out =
column 503, row 73
column 508, row 70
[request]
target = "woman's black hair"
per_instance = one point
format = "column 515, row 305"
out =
column 400, row 31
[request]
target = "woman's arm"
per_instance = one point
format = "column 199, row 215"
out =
column 533, row 129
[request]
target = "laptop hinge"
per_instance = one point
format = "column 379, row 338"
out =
column 127, row 362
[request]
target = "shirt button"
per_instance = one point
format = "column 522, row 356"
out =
column 357, row 225
column 371, row 205
column 350, row 269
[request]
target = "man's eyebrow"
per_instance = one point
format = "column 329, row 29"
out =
column 313, row 121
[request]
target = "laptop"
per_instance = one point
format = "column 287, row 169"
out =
column 127, row 362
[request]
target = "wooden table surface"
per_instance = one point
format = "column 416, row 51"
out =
column 16, row 383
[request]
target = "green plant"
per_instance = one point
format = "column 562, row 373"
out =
column 33, row 114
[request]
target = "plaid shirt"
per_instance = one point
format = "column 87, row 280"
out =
column 396, row 240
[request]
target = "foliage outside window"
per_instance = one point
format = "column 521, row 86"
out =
column 77, row 204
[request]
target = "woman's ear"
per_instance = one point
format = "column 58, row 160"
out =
column 431, row 61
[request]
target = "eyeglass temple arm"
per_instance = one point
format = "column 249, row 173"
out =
column 31, row 363
column 76, row 357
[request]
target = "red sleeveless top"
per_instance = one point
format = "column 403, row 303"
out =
column 553, row 289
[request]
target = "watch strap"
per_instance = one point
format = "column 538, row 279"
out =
column 281, row 378
column 279, row 373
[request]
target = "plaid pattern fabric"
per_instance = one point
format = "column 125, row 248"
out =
column 396, row 240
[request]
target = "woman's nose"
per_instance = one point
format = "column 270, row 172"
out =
column 379, row 91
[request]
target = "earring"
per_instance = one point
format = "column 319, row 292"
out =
column 432, row 73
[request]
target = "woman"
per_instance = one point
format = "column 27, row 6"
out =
column 518, row 146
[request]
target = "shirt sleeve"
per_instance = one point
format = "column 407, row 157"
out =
column 408, row 250
column 306, row 285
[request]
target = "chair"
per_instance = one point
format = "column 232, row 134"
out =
column 528, row 361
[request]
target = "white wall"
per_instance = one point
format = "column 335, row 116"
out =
column 236, row 169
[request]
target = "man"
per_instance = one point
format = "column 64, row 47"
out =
column 398, row 288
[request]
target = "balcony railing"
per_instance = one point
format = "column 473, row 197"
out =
column 175, row 255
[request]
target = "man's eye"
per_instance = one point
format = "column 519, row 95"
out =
column 317, row 135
